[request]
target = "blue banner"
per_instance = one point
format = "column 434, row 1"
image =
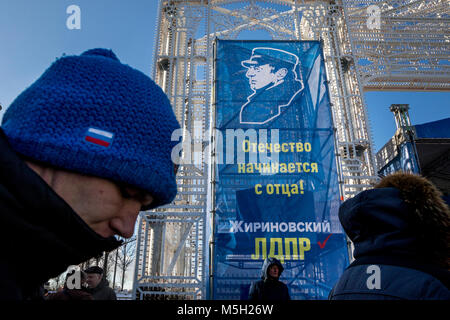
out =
column 276, row 190
column 404, row 161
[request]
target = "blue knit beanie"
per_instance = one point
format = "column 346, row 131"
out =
column 94, row 115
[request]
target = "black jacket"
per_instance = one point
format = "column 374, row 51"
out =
column 41, row 233
column 269, row 289
column 102, row 291
column 387, row 249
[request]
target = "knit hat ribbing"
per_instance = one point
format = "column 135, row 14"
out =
column 94, row 115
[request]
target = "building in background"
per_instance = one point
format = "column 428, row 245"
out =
column 423, row 149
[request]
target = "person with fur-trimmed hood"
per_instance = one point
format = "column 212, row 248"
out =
column 400, row 230
column 270, row 288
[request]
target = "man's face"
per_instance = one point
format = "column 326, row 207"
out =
column 107, row 208
column 103, row 205
column 93, row 279
column 274, row 271
column 260, row 76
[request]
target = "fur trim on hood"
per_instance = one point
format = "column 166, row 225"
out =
column 429, row 213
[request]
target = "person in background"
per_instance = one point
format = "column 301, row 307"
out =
column 270, row 288
column 98, row 286
column 401, row 233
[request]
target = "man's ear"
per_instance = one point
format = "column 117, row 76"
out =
column 281, row 73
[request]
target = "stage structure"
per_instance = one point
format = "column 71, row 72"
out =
column 422, row 149
column 367, row 45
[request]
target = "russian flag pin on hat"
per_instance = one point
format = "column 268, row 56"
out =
column 99, row 137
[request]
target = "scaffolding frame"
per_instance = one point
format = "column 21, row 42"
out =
column 173, row 249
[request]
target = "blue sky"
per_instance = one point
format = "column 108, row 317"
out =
column 34, row 33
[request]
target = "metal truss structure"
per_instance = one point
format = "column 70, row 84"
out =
column 407, row 50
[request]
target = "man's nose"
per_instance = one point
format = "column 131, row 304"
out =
column 126, row 221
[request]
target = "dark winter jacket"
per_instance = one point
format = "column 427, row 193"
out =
column 392, row 258
column 268, row 288
column 102, row 291
column 41, row 233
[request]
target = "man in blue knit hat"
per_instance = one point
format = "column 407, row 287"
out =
column 82, row 151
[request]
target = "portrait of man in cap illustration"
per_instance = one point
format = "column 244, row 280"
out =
column 275, row 78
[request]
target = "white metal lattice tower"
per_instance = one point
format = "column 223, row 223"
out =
column 408, row 50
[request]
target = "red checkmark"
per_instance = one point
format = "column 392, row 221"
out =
column 322, row 245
